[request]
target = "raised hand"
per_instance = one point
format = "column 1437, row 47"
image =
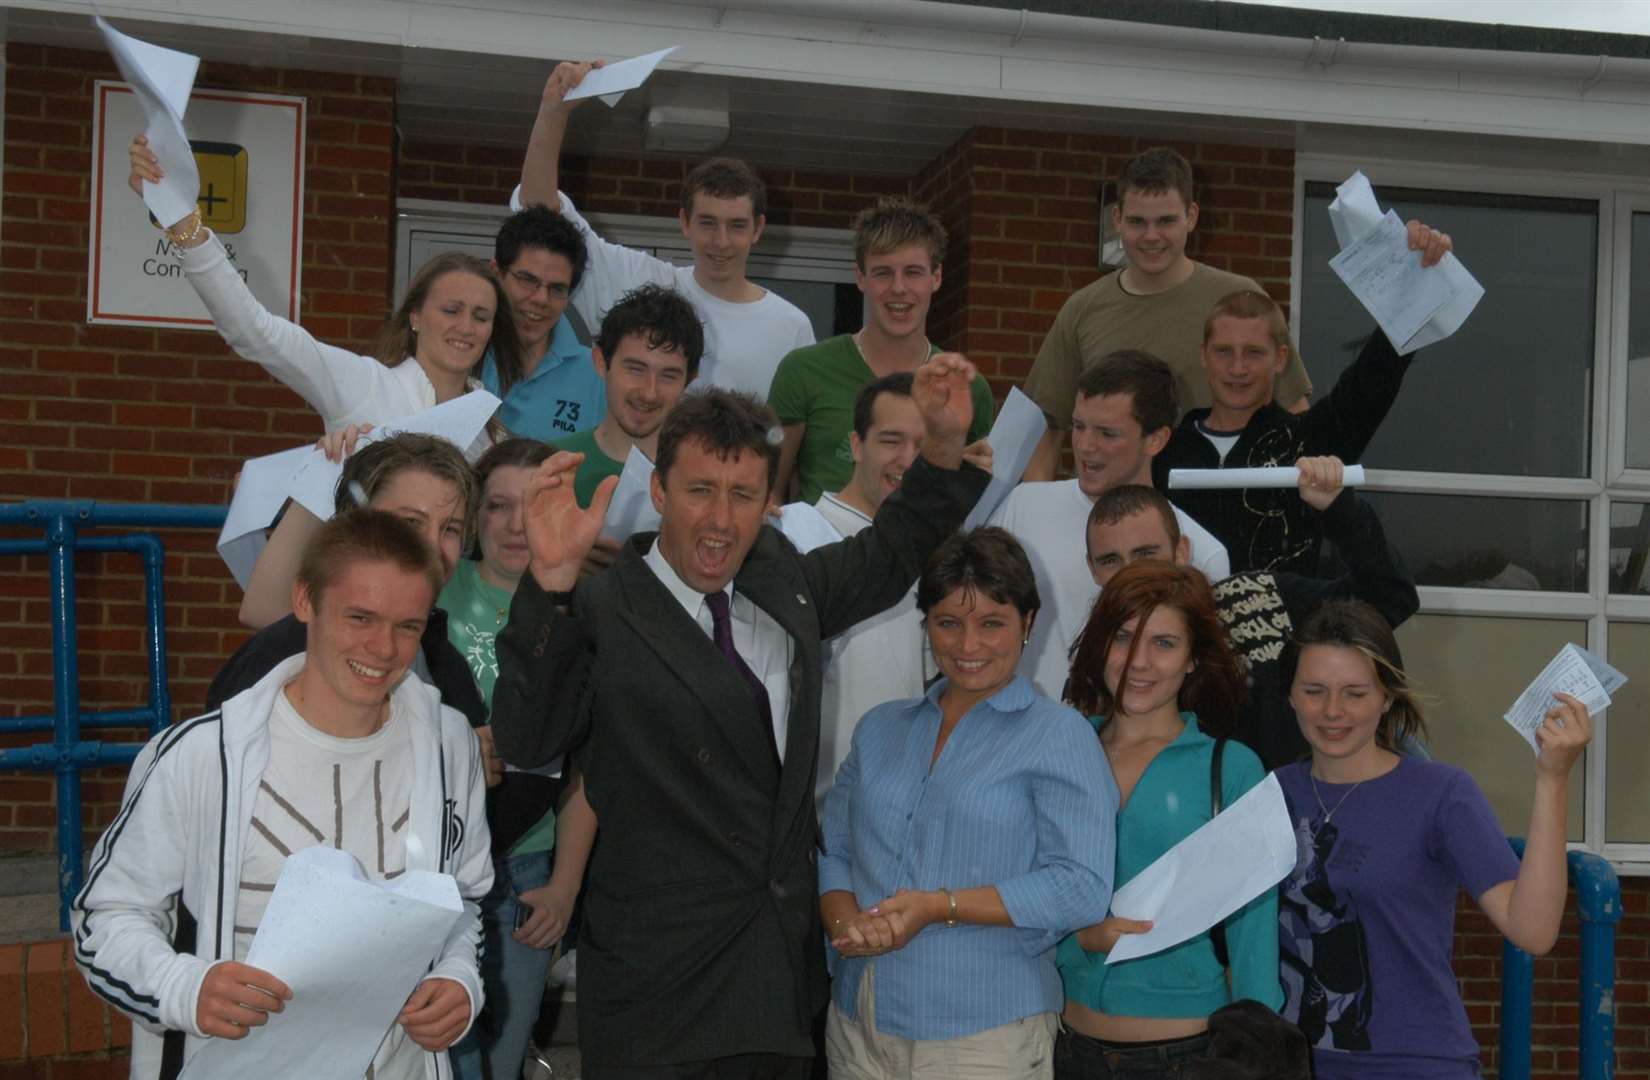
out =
column 559, row 533
column 567, row 75
column 1563, row 735
column 235, row 997
column 145, row 165
column 1102, row 936
column 1320, row 482
column 340, row 444
column 943, row 395
column 1429, row 242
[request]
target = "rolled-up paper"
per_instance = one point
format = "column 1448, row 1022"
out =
column 1280, row 476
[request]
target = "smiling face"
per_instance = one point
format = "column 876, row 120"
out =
column 890, row 446
column 501, row 531
column 538, row 284
column 1108, row 445
column 643, row 383
column 1149, row 682
column 976, row 641
column 362, row 633
column 1153, row 227
column 721, row 232
column 898, row 286
column 430, row 504
column 454, row 323
column 1339, row 702
column 1243, row 364
column 1136, row 536
column 710, row 510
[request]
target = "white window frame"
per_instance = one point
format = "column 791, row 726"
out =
column 1607, row 479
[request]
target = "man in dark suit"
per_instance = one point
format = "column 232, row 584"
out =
column 686, row 679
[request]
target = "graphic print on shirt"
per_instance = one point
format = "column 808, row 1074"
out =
column 1255, row 617
column 1272, row 506
column 1330, row 994
column 480, row 652
column 566, row 416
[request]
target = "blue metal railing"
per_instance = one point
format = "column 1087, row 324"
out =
column 1598, row 897
column 68, row 753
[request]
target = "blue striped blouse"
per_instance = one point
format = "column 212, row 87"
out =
column 1022, row 799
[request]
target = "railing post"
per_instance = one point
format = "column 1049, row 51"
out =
column 60, row 536
column 1598, row 896
column 154, row 581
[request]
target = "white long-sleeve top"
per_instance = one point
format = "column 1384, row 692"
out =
column 181, row 834
column 344, row 387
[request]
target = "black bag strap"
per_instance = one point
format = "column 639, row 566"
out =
column 1217, row 933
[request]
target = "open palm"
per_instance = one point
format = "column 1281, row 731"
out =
column 559, row 531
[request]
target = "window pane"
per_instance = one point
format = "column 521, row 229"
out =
column 1626, row 783
column 1488, row 543
column 1638, row 346
column 1510, row 393
column 1472, row 669
column 1630, row 547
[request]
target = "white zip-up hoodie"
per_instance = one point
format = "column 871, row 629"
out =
column 181, row 832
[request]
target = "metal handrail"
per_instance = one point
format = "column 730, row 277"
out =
column 68, row 753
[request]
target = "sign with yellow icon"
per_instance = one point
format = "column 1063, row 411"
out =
column 249, row 151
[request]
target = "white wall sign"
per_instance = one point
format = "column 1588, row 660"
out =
column 250, row 151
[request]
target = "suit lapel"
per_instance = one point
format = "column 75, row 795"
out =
column 684, row 648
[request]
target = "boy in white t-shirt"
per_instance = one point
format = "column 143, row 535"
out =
column 334, row 747
column 1126, row 407
column 748, row 329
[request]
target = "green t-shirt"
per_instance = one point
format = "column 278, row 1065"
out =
column 595, row 468
column 476, row 610
column 816, row 386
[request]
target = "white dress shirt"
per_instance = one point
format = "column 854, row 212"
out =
column 760, row 641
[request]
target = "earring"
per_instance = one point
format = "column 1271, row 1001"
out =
column 1025, row 640
column 413, row 326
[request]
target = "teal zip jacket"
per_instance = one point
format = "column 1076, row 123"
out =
column 1168, row 804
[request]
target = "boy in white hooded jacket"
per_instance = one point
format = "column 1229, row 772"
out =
column 332, row 747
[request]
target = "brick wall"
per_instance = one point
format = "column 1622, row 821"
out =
column 51, row 1026
column 142, row 415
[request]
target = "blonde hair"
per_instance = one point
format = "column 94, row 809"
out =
column 1248, row 304
column 1353, row 624
column 892, row 223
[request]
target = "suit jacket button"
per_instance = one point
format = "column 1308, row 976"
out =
column 736, row 839
column 778, row 889
column 703, row 755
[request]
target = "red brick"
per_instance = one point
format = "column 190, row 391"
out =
column 47, row 967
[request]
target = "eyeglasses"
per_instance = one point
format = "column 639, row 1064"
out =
column 532, row 284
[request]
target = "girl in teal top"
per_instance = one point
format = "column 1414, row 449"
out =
column 1155, row 672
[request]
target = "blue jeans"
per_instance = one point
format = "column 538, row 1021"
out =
column 512, row 976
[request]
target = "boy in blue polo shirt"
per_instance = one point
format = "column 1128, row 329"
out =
column 540, row 256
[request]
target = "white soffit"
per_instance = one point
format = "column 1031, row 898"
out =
column 942, row 48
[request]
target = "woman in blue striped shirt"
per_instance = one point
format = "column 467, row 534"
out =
column 1156, row 673
column 966, row 834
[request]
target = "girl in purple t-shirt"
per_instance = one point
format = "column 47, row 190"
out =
column 1367, row 918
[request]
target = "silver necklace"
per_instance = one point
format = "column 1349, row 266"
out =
column 1328, row 813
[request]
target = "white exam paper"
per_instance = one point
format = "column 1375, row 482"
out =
column 1354, row 212
column 631, row 510
column 1014, row 437
column 161, row 79
column 352, row 950
column 610, row 83
column 1280, row 476
column 1574, row 671
column 1387, row 278
column 259, row 495
column 804, row 526
column 461, row 421
column 1247, row 849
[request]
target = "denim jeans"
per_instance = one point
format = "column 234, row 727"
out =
column 1078, row 1057
column 512, row 975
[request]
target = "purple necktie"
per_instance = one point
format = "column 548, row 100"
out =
column 722, row 632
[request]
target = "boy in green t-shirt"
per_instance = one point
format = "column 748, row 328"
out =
column 898, row 248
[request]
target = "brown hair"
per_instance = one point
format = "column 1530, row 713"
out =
column 1156, row 170
column 1248, row 304
column 1149, row 382
column 1127, row 500
column 725, row 178
column 725, row 423
column 365, row 536
column 366, row 470
column 1215, row 687
column 892, row 223
column 1353, row 624
column 988, row 560
column 396, row 340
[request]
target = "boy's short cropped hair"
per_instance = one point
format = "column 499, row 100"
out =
column 1248, row 304
column 662, row 316
column 1149, row 382
column 894, row 222
column 540, row 227
column 725, row 423
column 725, row 178
column 1154, row 171
column 365, row 536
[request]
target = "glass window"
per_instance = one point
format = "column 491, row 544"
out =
column 1630, row 547
column 1626, row 783
column 1471, row 669
column 1638, row 345
column 1488, row 543
column 1510, row 393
